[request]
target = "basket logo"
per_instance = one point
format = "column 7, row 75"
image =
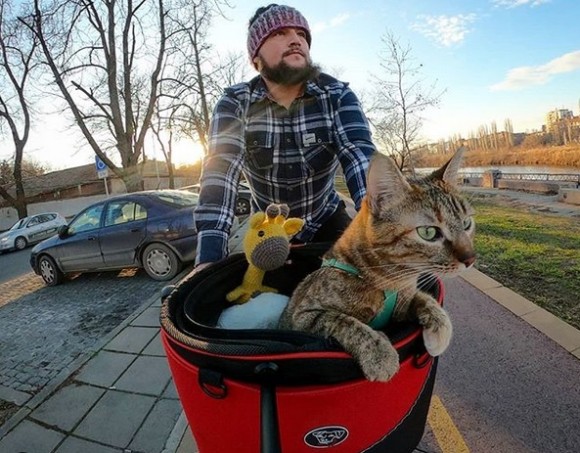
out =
column 326, row 436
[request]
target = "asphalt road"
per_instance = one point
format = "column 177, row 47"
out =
column 507, row 387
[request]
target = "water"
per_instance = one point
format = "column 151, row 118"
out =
column 514, row 169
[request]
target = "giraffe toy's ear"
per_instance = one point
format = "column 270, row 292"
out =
column 257, row 219
column 293, row 225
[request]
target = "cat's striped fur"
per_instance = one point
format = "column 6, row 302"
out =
column 405, row 227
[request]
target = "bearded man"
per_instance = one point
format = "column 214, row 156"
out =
column 287, row 131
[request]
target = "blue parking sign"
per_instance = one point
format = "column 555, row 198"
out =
column 100, row 164
column 102, row 169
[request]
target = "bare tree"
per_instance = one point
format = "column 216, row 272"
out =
column 17, row 48
column 509, row 133
column 196, row 77
column 165, row 140
column 106, row 58
column 29, row 169
column 200, row 76
column 400, row 100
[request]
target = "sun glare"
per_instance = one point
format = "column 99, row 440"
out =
column 186, row 152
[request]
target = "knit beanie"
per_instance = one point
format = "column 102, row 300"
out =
column 274, row 18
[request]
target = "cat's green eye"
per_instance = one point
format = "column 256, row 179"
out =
column 429, row 233
column 467, row 223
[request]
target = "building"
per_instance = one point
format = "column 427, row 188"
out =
column 563, row 126
column 70, row 190
column 555, row 117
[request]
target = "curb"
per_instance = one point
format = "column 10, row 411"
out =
column 542, row 320
column 174, row 440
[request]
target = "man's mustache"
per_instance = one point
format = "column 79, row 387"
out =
column 293, row 51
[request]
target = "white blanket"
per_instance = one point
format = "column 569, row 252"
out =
column 260, row 312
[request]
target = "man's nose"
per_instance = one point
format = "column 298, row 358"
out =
column 294, row 37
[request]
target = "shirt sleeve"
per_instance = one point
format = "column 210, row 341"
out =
column 220, row 175
column 355, row 145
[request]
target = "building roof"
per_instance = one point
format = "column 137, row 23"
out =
column 77, row 176
column 57, row 180
column 61, row 179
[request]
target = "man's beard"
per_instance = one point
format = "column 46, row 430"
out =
column 284, row 74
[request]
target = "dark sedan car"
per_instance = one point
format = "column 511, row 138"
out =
column 153, row 230
column 243, row 201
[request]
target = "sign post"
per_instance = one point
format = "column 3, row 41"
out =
column 102, row 172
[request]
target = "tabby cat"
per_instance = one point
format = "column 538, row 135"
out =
column 404, row 228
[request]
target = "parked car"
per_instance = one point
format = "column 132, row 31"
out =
column 243, row 202
column 30, row 230
column 153, row 230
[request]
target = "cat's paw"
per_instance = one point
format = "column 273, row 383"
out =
column 438, row 335
column 380, row 363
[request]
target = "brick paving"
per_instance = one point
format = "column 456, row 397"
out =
column 121, row 400
column 112, row 391
column 43, row 330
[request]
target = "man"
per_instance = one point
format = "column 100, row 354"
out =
column 286, row 131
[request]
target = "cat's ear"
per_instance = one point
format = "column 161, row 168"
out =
column 449, row 171
column 385, row 183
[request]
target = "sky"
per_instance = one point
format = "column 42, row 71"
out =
column 495, row 59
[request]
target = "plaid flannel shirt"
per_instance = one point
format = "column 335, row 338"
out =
column 287, row 156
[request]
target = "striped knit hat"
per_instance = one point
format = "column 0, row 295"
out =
column 274, row 18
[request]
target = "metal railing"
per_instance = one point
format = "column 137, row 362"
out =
column 563, row 177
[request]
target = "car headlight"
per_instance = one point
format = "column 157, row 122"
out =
column 4, row 240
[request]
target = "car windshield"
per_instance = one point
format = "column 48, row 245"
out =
column 178, row 198
column 18, row 225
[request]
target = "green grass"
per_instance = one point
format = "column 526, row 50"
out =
column 535, row 255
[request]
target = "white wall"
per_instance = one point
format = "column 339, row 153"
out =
column 67, row 208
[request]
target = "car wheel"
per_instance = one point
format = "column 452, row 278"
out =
column 160, row 262
column 20, row 243
column 49, row 272
column 242, row 207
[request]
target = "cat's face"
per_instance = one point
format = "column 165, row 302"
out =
column 425, row 225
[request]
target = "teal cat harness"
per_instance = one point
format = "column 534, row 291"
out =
column 382, row 317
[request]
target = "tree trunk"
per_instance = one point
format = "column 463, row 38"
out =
column 132, row 179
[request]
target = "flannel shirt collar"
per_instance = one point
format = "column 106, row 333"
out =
column 260, row 91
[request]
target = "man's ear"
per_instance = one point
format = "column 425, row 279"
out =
column 257, row 63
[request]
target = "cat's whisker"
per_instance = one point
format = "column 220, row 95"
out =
column 398, row 272
column 409, row 279
column 418, row 269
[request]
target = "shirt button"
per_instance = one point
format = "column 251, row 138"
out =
column 288, row 140
column 255, row 142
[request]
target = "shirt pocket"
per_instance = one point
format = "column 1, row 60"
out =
column 318, row 149
column 259, row 150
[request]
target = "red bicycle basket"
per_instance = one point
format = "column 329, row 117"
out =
column 271, row 391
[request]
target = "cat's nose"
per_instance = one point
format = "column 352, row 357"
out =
column 468, row 260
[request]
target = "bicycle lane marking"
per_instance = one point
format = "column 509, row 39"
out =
column 446, row 433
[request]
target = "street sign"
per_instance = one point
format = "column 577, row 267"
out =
column 102, row 169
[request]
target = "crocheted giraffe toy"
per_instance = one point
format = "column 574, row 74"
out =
column 266, row 246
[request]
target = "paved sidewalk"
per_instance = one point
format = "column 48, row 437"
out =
column 123, row 400
column 120, row 399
